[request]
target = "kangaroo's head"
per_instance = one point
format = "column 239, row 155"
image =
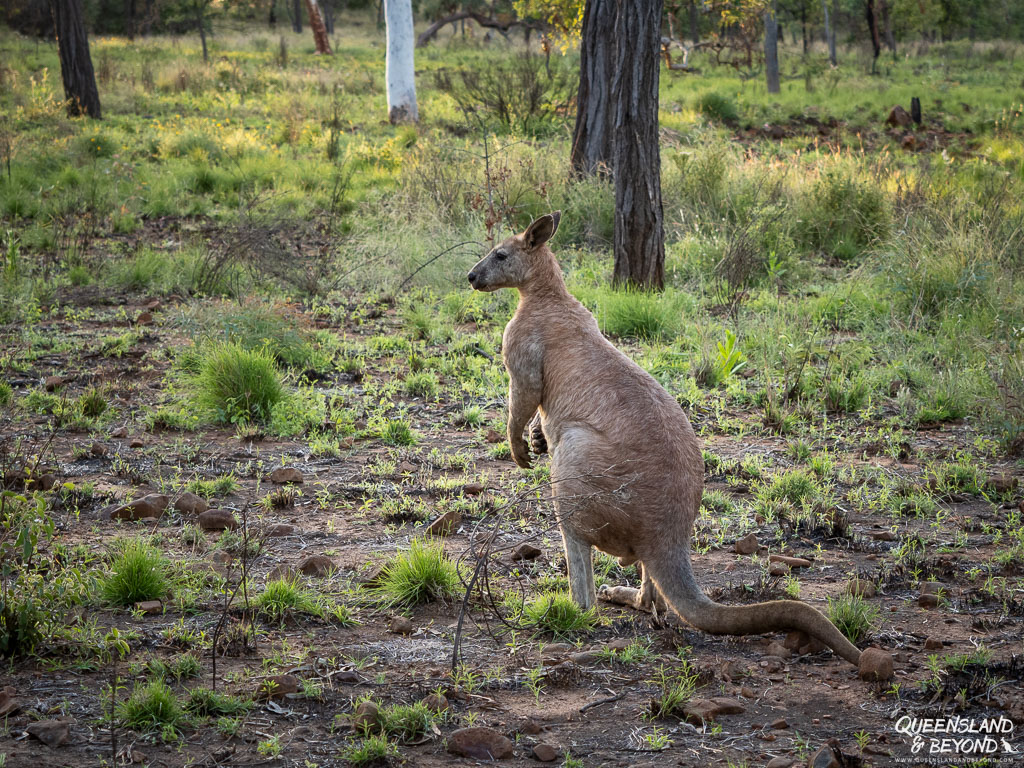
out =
column 516, row 261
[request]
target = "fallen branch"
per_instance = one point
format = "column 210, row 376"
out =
column 484, row 21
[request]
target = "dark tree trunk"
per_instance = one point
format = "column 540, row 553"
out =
column 272, row 14
column 327, row 11
column 639, row 231
column 803, row 26
column 876, row 45
column 147, row 23
column 830, row 30
column 316, row 23
column 129, row 18
column 890, row 40
column 75, row 63
column 694, row 22
column 201, row 23
column 592, row 136
column 297, row 16
column 771, row 48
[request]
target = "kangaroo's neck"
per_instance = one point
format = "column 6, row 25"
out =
column 545, row 285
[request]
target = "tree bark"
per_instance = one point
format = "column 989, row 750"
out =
column 316, row 23
column 694, row 22
column 75, row 62
column 297, row 16
column 593, row 134
column 639, row 230
column 399, row 64
column 872, row 17
column 890, row 39
column 201, row 23
column 830, row 32
column 771, row 48
column 327, row 12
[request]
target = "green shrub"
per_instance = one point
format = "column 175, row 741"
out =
column 283, row 597
column 845, row 393
column 397, row 432
column 794, row 486
column 202, row 702
column 842, row 216
column 152, row 707
column 21, row 615
column 557, row 613
column 373, row 750
column 238, row 385
column 423, row 574
column 257, row 325
column 422, row 384
column 138, row 572
column 716, row 106
column 6, row 394
column 92, row 403
column 853, row 616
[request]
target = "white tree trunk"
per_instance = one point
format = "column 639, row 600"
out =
column 401, row 73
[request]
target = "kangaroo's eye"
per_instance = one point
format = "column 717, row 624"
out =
column 501, row 255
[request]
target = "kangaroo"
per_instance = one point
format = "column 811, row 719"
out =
column 627, row 473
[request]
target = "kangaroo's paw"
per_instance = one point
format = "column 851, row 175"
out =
column 627, row 596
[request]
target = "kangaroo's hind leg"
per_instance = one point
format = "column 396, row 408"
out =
column 578, row 557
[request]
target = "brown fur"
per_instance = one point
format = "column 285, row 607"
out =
column 626, row 468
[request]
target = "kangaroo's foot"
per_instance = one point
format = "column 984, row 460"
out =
column 538, row 443
column 631, row 597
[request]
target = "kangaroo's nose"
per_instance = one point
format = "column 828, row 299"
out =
column 472, row 277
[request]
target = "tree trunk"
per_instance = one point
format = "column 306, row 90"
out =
column 75, row 63
column 830, row 32
column 399, row 64
column 316, row 23
column 694, row 22
column 639, row 232
column 129, row 19
column 803, row 25
column 272, row 14
column 327, row 11
column 201, row 23
column 890, row 40
column 297, row 16
column 593, row 135
column 876, row 46
column 771, row 48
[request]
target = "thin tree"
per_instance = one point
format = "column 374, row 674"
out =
column 771, row 47
column 75, row 62
column 592, row 135
column 830, row 30
column 400, row 67
column 296, row 13
column 876, row 45
column 890, row 39
column 316, row 23
column 639, row 229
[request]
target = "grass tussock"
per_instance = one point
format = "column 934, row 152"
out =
column 238, row 385
column 138, row 572
column 422, row 574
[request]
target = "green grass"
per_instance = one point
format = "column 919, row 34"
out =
column 556, row 613
column 674, row 689
column 422, row 574
column 238, row 385
column 283, row 598
column 203, row 702
column 137, row 572
column 371, row 751
column 853, row 616
column 397, row 432
column 152, row 707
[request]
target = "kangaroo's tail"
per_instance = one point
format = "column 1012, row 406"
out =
column 679, row 588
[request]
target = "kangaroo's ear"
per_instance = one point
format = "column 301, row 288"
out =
column 542, row 229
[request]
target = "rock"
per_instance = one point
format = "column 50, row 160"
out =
column 777, row 649
column 149, row 607
column 282, row 572
column 774, row 131
column 875, row 665
column 1002, row 483
column 190, row 504
column 780, row 724
column 220, row 557
column 366, row 717
column 931, row 588
column 531, row 727
column 349, row 676
column 700, row 711
column 825, row 758
column 584, row 657
column 480, row 743
column 778, row 569
column 473, row 489
column 119, row 433
column 445, row 524
column 771, row 664
column 747, row 545
column 802, row 643
column 861, row 587
column 779, row 762
column 52, row 733
column 136, row 443
column 279, row 529
column 526, row 551
column 747, row 693
column 144, row 318
column 436, row 702
column 50, row 383
column 317, row 565
column 283, row 475
column 792, row 562
column 8, row 706
column 277, row 687
column 619, row 643
column 545, row 753
column 932, row 644
column 98, row 449
column 218, row 520
column 493, row 436
column 152, row 505
column 909, row 141
column 898, row 117
column 928, row 601
column 882, row 535
column 401, row 625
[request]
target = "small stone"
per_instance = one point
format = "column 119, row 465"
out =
column 882, row 535
column 531, row 727
column 1002, row 483
column 52, row 733
column 436, row 702
column 282, row 572
column 545, row 753
column 584, row 657
column 700, row 711
column 278, row 686
column 149, row 607
column 8, row 705
column 898, row 117
column 932, row 644
column 875, row 665
column 136, row 443
column 473, row 489
column 349, row 676
column 931, row 587
column 365, row 717
column 144, row 318
column 777, row 649
column 861, row 587
column 779, row 762
column 928, row 601
column 780, row 724
column 792, row 562
column 218, row 520
column 778, row 569
column 401, row 625
column 747, row 693
column 909, row 141
column 98, row 449
column 493, row 436
column 825, row 758
column 619, row 643
column 119, row 433
column 191, row 504
column 526, row 551
column 747, row 545
column 480, row 743
column 279, row 529
column 445, row 524
column 152, row 505
column 283, row 475
column 50, row 383
column 317, row 565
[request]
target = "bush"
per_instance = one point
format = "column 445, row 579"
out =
column 853, row 616
column 283, row 597
column 138, row 572
column 152, row 707
column 238, row 385
column 557, row 613
column 423, row 574
column 843, row 216
column 397, row 432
